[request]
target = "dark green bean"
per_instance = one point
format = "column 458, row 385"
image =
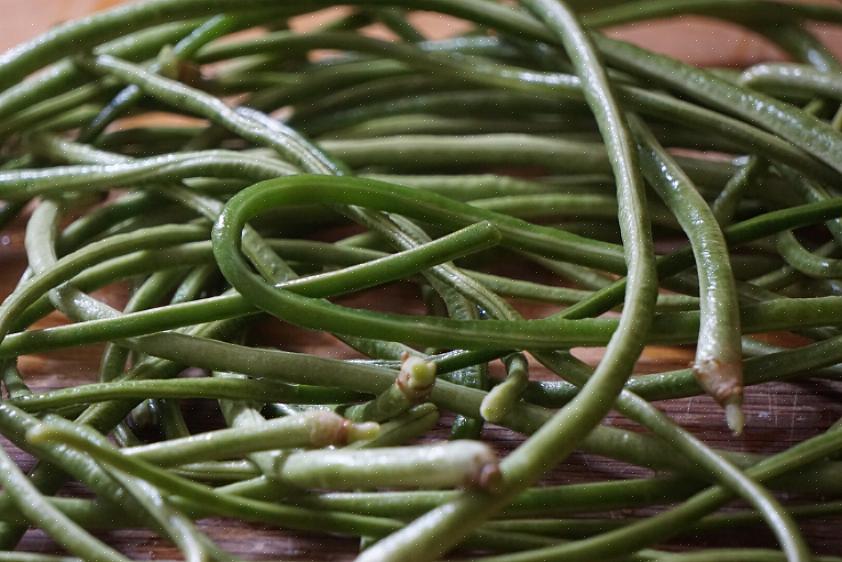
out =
column 718, row 363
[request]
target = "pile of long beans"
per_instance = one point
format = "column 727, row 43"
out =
column 695, row 206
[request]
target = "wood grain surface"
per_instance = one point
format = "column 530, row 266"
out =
column 778, row 415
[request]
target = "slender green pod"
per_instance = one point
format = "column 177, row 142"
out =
column 310, row 429
column 462, row 463
column 718, row 363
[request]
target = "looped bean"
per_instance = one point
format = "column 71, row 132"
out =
column 808, row 263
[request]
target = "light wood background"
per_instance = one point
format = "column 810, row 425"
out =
column 778, row 415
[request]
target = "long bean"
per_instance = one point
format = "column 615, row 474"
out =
column 718, row 363
column 244, row 389
column 320, row 173
column 313, row 429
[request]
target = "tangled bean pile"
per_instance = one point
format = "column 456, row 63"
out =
column 531, row 138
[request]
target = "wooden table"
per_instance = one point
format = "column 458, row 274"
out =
column 778, row 415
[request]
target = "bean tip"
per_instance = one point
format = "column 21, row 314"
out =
column 734, row 416
column 491, row 408
column 490, row 478
column 416, row 374
column 722, row 380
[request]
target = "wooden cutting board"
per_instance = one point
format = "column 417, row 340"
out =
column 778, row 415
